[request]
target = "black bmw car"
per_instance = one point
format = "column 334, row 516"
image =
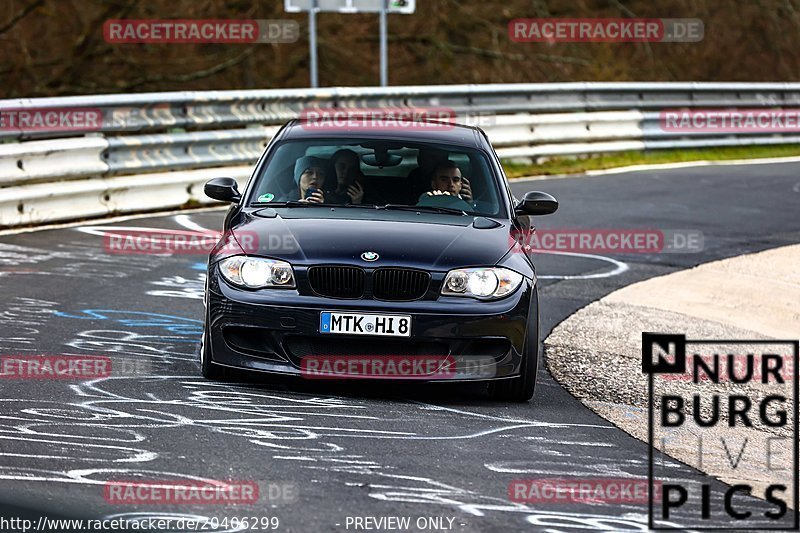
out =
column 377, row 253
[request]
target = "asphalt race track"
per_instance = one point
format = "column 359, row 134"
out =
column 348, row 450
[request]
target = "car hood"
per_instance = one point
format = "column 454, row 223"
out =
column 450, row 242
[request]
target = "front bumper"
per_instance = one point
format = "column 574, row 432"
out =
column 273, row 330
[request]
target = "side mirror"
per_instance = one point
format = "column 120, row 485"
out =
column 223, row 189
column 536, row 203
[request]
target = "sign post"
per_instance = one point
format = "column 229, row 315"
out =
column 312, row 44
column 382, row 7
column 384, row 45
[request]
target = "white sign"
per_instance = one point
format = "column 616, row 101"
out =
column 405, row 7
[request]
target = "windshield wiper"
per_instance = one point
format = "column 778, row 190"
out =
column 426, row 208
column 295, row 203
column 396, row 207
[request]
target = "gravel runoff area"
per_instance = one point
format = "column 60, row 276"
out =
column 597, row 354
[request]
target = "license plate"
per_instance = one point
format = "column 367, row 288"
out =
column 365, row 324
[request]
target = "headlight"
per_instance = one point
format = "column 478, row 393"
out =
column 256, row 273
column 482, row 283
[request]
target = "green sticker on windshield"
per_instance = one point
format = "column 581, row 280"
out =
column 268, row 197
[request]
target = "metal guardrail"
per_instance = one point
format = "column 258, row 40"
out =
column 145, row 142
column 41, row 203
column 151, row 112
column 148, row 153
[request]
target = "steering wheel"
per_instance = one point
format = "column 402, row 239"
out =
column 445, row 200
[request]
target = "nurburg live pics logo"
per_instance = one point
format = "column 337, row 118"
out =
column 737, row 416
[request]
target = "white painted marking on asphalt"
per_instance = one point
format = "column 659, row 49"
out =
column 451, row 437
column 349, row 461
column 102, row 231
column 796, row 187
column 108, row 220
column 188, row 223
column 503, row 419
column 84, row 476
column 136, row 456
column 619, row 266
column 574, row 443
column 546, row 469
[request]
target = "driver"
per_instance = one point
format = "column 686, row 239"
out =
column 427, row 159
column 446, row 179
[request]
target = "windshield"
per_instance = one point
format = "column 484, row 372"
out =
column 370, row 173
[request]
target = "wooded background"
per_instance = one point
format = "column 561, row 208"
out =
column 56, row 47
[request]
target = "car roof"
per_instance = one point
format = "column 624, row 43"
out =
column 416, row 131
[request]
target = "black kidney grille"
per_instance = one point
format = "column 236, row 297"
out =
column 399, row 284
column 337, row 281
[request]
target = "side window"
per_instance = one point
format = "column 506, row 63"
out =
column 484, row 192
column 277, row 178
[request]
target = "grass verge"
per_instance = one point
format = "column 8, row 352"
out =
column 566, row 165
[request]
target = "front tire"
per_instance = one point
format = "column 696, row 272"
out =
column 521, row 388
